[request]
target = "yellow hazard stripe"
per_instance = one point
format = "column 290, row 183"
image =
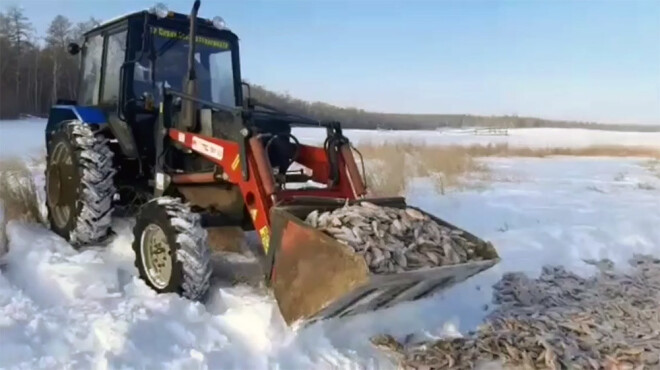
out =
column 235, row 163
column 265, row 237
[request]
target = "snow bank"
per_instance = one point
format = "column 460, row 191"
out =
column 61, row 306
column 88, row 309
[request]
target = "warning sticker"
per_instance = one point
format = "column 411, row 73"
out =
column 208, row 148
column 236, row 162
column 265, row 237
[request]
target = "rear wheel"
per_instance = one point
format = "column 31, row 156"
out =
column 171, row 253
column 79, row 183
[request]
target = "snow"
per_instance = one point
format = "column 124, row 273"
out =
column 518, row 137
column 3, row 242
column 87, row 309
column 61, row 307
column 23, row 137
column 124, row 15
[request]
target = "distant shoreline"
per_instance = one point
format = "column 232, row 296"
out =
column 399, row 127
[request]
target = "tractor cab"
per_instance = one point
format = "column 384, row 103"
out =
column 130, row 58
column 165, row 63
column 128, row 61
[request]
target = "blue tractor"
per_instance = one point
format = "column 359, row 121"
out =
column 108, row 153
column 161, row 130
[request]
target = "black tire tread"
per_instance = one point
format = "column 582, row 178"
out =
column 97, row 187
column 93, row 159
column 192, row 251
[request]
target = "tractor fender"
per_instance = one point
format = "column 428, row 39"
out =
column 62, row 113
column 117, row 128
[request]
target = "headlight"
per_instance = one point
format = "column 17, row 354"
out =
column 159, row 9
column 219, row 23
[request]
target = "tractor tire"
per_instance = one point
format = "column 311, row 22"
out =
column 79, row 184
column 171, row 253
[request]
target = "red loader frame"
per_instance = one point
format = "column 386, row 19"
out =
column 259, row 191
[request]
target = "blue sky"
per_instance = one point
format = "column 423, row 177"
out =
column 584, row 60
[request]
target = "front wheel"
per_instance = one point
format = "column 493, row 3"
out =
column 171, row 253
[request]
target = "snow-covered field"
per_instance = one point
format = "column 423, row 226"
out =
column 86, row 309
column 22, row 137
column 519, row 137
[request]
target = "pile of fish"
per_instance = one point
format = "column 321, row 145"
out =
column 393, row 240
column 558, row 321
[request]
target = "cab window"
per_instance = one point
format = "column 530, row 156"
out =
column 91, row 71
column 115, row 56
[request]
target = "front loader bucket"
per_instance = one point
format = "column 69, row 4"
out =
column 315, row 277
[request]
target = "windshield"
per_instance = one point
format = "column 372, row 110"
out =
column 213, row 66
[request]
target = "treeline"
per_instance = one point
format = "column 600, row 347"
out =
column 358, row 118
column 36, row 70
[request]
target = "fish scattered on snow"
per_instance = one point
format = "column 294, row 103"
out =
column 558, row 321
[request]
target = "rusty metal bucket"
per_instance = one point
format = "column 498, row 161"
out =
column 314, row 277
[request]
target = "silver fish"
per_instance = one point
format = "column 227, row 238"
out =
column 313, row 218
column 415, row 214
column 400, row 258
column 370, row 205
column 391, row 239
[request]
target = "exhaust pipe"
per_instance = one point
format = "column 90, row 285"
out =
column 189, row 116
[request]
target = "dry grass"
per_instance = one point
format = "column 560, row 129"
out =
column 38, row 158
column 391, row 166
column 18, row 195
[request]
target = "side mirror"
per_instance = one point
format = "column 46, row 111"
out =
column 247, row 94
column 73, row 48
column 246, row 89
